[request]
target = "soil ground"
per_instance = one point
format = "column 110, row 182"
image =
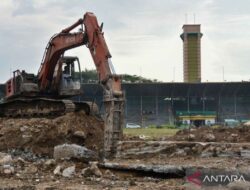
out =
column 30, row 142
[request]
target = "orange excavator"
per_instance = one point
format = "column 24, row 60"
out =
column 59, row 77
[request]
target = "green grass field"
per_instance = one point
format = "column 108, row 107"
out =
column 151, row 132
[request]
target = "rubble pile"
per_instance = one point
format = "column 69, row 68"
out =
column 41, row 135
column 17, row 172
column 220, row 134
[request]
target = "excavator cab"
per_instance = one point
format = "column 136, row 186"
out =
column 67, row 77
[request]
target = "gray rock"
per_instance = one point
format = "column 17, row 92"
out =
column 94, row 168
column 193, row 129
column 23, row 128
column 187, row 149
column 67, row 151
column 49, row 163
column 209, row 137
column 8, row 169
column 69, row 172
column 57, row 170
column 179, row 153
column 245, row 153
column 228, row 154
column 86, row 172
column 207, row 154
column 234, row 135
column 109, row 175
column 157, row 169
column 31, row 169
column 5, row 158
column 239, row 185
column 191, row 137
column 80, row 134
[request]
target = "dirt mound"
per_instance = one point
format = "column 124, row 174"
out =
column 221, row 134
column 40, row 135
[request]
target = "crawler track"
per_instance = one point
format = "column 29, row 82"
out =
column 43, row 107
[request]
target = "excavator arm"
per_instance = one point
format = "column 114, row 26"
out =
column 93, row 38
column 55, row 49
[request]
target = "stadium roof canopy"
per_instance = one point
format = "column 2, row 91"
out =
column 179, row 89
column 211, row 89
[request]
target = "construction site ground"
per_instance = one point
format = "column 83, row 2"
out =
column 27, row 161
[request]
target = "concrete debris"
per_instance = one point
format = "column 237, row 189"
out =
column 191, row 137
column 23, row 128
column 206, row 154
column 67, row 151
column 57, row 170
column 245, row 153
column 5, row 158
column 247, row 124
column 8, row 169
column 239, row 185
column 49, row 163
column 80, row 134
column 108, row 174
column 209, row 137
column 234, row 135
column 41, row 135
column 191, row 186
column 157, row 169
column 179, row 153
column 86, row 172
column 31, row 169
column 92, row 170
column 143, row 149
column 143, row 137
column 29, row 145
column 69, row 172
column 95, row 170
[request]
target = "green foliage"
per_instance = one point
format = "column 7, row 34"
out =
column 90, row 76
column 137, row 79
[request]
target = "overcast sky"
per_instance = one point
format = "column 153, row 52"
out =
column 143, row 35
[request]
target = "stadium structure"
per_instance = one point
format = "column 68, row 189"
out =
column 190, row 102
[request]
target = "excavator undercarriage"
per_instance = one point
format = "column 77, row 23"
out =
column 44, row 107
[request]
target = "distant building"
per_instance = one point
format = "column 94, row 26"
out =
column 191, row 53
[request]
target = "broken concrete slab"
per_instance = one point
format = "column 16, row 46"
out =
column 245, row 153
column 69, row 172
column 67, row 151
column 172, row 170
column 140, row 149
